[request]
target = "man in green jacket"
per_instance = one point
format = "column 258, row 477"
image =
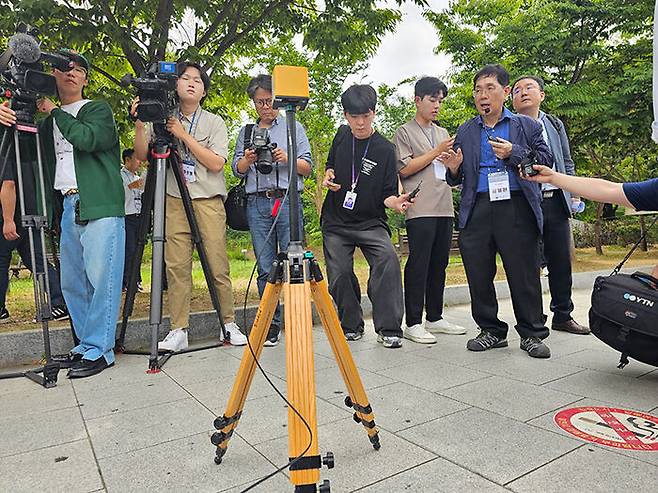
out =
column 81, row 161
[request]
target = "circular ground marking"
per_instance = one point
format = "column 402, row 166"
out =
column 618, row 428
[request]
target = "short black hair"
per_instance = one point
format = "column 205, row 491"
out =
column 430, row 86
column 261, row 81
column 493, row 69
column 181, row 67
column 127, row 153
column 359, row 99
column 536, row 78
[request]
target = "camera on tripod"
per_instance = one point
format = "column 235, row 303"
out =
column 156, row 89
column 261, row 144
column 22, row 71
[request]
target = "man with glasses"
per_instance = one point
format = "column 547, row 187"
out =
column 203, row 146
column 527, row 96
column 80, row 148
column 499, row 213
column 267, row 201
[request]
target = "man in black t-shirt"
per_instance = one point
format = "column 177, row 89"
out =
column 15, row 237
column 361, row 176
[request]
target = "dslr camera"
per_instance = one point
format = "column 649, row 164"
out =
column 156, row 89
column 261, row 144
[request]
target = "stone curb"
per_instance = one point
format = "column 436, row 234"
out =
column 23, row 347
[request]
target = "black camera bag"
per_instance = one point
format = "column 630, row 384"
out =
column 624, row 313
column 236, row 207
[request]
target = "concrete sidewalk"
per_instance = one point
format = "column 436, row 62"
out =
column 450, row 421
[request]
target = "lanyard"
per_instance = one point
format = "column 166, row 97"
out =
column 431, row 140
column 189, row 130
column 355, row 178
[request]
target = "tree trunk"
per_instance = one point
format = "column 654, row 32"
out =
column 597, row 229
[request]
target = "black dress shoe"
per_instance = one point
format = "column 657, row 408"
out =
column 86, row 368
column 571, row 326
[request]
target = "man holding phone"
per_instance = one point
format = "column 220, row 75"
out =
column 419, row 144
column 500, row 213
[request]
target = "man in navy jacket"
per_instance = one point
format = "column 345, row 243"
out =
column 500, row 213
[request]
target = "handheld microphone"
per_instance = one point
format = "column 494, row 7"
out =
column 24, row 48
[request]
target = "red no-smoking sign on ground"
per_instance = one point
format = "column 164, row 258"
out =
column 619, row 428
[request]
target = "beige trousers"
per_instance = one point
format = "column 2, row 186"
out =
column 211, row 218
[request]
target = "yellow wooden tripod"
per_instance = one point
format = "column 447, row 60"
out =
column 298, row 274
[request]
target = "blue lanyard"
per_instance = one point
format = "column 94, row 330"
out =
column 189, row 130
column 356, row 179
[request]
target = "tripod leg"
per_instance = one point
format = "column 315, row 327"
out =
column 142, row 233
column 198, row 242
column 357, row 395
column 301, row 385
column 229, row 421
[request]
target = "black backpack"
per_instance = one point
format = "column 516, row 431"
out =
column 624, row 313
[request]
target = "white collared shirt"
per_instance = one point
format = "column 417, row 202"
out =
column 65, row 178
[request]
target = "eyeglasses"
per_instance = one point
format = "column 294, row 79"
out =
column 481, row 91
column 261, row 103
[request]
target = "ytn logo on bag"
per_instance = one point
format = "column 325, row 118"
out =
column 638, row 299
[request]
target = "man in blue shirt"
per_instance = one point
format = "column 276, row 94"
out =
column 500, row 213
column 267, row 201
column 641, row 196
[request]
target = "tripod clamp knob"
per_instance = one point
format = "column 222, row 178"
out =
column 328, row 460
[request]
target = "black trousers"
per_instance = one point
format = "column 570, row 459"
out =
column 384, row 281
column 132, row 227
column 557, row 243
column 425, row 272
column 506, row 227
column 22, row 246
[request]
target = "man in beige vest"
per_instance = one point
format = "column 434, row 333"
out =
column 419, row 142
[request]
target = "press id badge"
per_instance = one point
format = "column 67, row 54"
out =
column 499, row 186
column 188, row 170
column 439, row 170
column 350, row 200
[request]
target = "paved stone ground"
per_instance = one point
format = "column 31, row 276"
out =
column 450, row 420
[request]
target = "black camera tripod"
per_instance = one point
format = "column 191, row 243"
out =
column 35, row 224
column 163, row 154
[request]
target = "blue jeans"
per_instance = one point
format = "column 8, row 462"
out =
column 259, row 214
column 91, row 272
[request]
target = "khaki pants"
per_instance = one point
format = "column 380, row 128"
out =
column 211, row 218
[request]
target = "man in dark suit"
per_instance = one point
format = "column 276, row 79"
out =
column 527, row 96
column 500, row 213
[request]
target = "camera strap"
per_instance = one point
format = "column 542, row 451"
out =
column 192, row 130
column 355, row 175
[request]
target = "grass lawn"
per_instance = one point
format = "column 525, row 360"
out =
column 21, row 305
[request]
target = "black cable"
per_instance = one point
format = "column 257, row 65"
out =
column 253, row 354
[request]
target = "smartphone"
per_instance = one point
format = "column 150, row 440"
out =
column 415, row 191
column 497, row 140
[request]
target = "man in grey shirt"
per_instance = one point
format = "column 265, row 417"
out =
column 266, row 189
column 419, row 143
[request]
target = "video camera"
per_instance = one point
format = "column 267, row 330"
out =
column 261, row 144
column 526, row 164
column 21, row 66
column 156, row 89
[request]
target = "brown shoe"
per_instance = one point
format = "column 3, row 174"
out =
column 571, row 326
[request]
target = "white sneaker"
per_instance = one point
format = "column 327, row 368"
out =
column 176, row 340
column 417, row 333
column 444, row 327
column 237, row 337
